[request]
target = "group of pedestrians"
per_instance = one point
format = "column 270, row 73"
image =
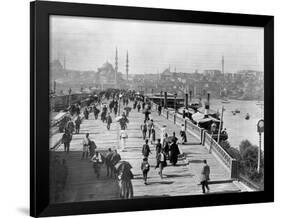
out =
column 148, row 127
column 164, row 152
column 166, row 147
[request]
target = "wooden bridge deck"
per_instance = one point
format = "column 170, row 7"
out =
column 183, row 179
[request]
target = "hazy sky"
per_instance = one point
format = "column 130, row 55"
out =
column 87, row 43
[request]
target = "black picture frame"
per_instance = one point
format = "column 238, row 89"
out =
column 39, row 107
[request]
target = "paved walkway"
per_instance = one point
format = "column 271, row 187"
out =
column 182, row 179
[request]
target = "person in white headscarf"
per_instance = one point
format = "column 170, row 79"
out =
column 163, row 133
column 123, row 139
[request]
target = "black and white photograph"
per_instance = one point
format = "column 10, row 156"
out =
column 140, row 108
column 145, row 109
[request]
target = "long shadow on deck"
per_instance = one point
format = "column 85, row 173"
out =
column 160, row 183
column 178, row 176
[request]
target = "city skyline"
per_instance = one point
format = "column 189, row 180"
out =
column 87, row 43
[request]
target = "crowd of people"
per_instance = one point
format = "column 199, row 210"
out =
column 166, row 147
column 115, row 167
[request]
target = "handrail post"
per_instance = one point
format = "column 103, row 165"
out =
column 234, row 169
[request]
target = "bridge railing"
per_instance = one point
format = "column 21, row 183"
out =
column 214, row 147
column 206, row 140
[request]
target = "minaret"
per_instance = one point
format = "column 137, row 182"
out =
column 127, row 66
column 116, row 65
column 64, row 62
column 222, row 65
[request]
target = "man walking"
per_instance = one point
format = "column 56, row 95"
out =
column 205, row 177
column 108, row 121
column 145, row 149
column 97, row 161
column 158, row 148
column 174, row 152
column 66, row 139
column 86, row 113
column 109, row 167
column 77, row 124
column 144, row 129
column 159, row 109
column 145, row 168
column 138, row 107
column 150, row 125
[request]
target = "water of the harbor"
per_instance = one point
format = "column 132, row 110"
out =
column 238, row 128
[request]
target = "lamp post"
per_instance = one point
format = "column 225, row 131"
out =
column 120, row 96
column 175, row 102
column 165, row 100
column 69, row 96
column 260, row 129
column 161, row 101
column 175, row 107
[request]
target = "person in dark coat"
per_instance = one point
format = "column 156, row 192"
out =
column 146, row 149
column 115, row 109
column 86, row 113
column 152, row 135
column 143, row 105
column 111, row 105
column 161, row 162
column 114, row 160
column 146, row 114
column 150, row 125
column 158, row 148
column 109, row 166
column 205, row 177
column 96, row 112
column 135, row 104
column 77, row 124
column 108, row 121
column 125, row 175
column 103, row 113
column 92, row 147
column 124, row 121
column 66, row 139
column 159, row 109
column 174, row 138
column 145, row 169
column 144, row 129
column 174, row 152
column 138, row 107
column 70, row 126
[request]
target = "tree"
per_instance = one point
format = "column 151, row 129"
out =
column 244, row 145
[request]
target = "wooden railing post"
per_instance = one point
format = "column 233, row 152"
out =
column 203, row 137
column 234, row 170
